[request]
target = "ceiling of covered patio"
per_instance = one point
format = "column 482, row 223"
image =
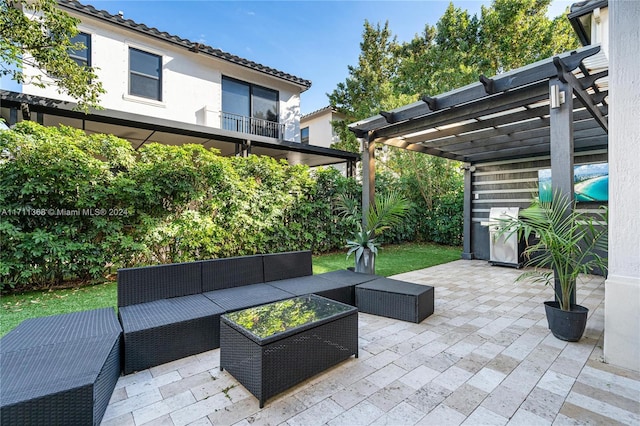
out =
column 504, row 117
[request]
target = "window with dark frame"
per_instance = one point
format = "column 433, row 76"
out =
column 304, row 136
column 81, row 57
column 145, row 74
column 249, row 108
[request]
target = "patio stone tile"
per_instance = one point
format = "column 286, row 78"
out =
column 482, row 416
column 401, row 414
column 487, row 379
column 603, row 408
column 386, row 375
column 488, row 350
column 390, row 396
column 543, row 404
column 130, row 379
column 577, row 415
column 234, row 413
column 118, row 395
column 453, row 378
column 433, row 348
column 418, row 377
column 525, row 418
column 603, row 395
column 200, row 409
column 351, row 396
column 123, row 420
column 220, row 381
column 556, row 383
column 201, row 422
column 465, row 399
column 132, row 403
column 443, row 361
column 355, row 372
column 318, row 391
column 428, row 397
column 566, row 366
column 413, row 360
column 199, row 366
column 620, row 385
column 172, row 366
column 462, row 348
column 502, row 363
column 504, row 401
column 162, row 408
column 319, row 414
column 373, row 348
column 521, row 379
column 442, row 416
column 504, row 338
column 363, row 413
column 382, row 359
column 186, row 384
column 154, row 383
column 472, row 363
column 275, row 413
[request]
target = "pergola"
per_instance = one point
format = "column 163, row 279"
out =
column 555, row 107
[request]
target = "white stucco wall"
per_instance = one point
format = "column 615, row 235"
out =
column 191, row 82
column 320, row 129
column 622, row 287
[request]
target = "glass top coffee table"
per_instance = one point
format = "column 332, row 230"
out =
column 273, row 347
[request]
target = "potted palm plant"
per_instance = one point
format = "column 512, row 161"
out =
column 387, row 211
column 561, row 244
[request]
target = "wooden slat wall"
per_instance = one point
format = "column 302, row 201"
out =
column 511, row 184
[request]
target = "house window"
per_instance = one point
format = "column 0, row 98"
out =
column 249, row 108
column 145, row 74
column 304, row 136
column 81, row 57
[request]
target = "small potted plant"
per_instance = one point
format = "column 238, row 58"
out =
column 387, row 211
column 561, row 244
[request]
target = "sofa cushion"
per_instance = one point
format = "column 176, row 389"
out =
column 231, row 272
column 234, row 299
column 150, row 283
column 280, row 266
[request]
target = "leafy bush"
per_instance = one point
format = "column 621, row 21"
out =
column 77, row 207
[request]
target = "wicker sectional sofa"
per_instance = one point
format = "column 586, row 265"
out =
column 61, row 369
column 172, row 311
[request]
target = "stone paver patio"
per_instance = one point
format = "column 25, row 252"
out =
column 485, row 357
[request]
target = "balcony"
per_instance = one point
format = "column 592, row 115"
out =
column 252, row 126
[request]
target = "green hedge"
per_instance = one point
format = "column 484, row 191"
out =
column 77, row 207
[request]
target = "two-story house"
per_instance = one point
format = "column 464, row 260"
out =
column 163, row 88
column 316, row 128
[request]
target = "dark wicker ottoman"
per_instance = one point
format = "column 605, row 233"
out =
column 395, row 299
column 61, row 369
column 270, row 348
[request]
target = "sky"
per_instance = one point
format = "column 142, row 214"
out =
column 314, row 40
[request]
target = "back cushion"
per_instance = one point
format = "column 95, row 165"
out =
column 231, row 272
column 281, row 266
column 149, row 283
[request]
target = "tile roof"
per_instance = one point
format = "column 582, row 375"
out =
column 77, row 7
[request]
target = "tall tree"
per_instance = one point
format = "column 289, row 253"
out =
column 517, row 32
column 368, row 86
column 37, row 34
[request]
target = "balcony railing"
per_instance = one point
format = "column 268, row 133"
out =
column 253, row 126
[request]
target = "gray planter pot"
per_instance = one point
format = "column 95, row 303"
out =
column 566, row 325
column 367, row 263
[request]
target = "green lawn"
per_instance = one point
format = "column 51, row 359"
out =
column 391, row 260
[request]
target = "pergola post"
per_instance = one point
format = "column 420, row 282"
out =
column 561, row 141
column 368, row 175
column 467, row 251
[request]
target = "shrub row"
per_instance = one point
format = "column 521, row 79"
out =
column 77, row 207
